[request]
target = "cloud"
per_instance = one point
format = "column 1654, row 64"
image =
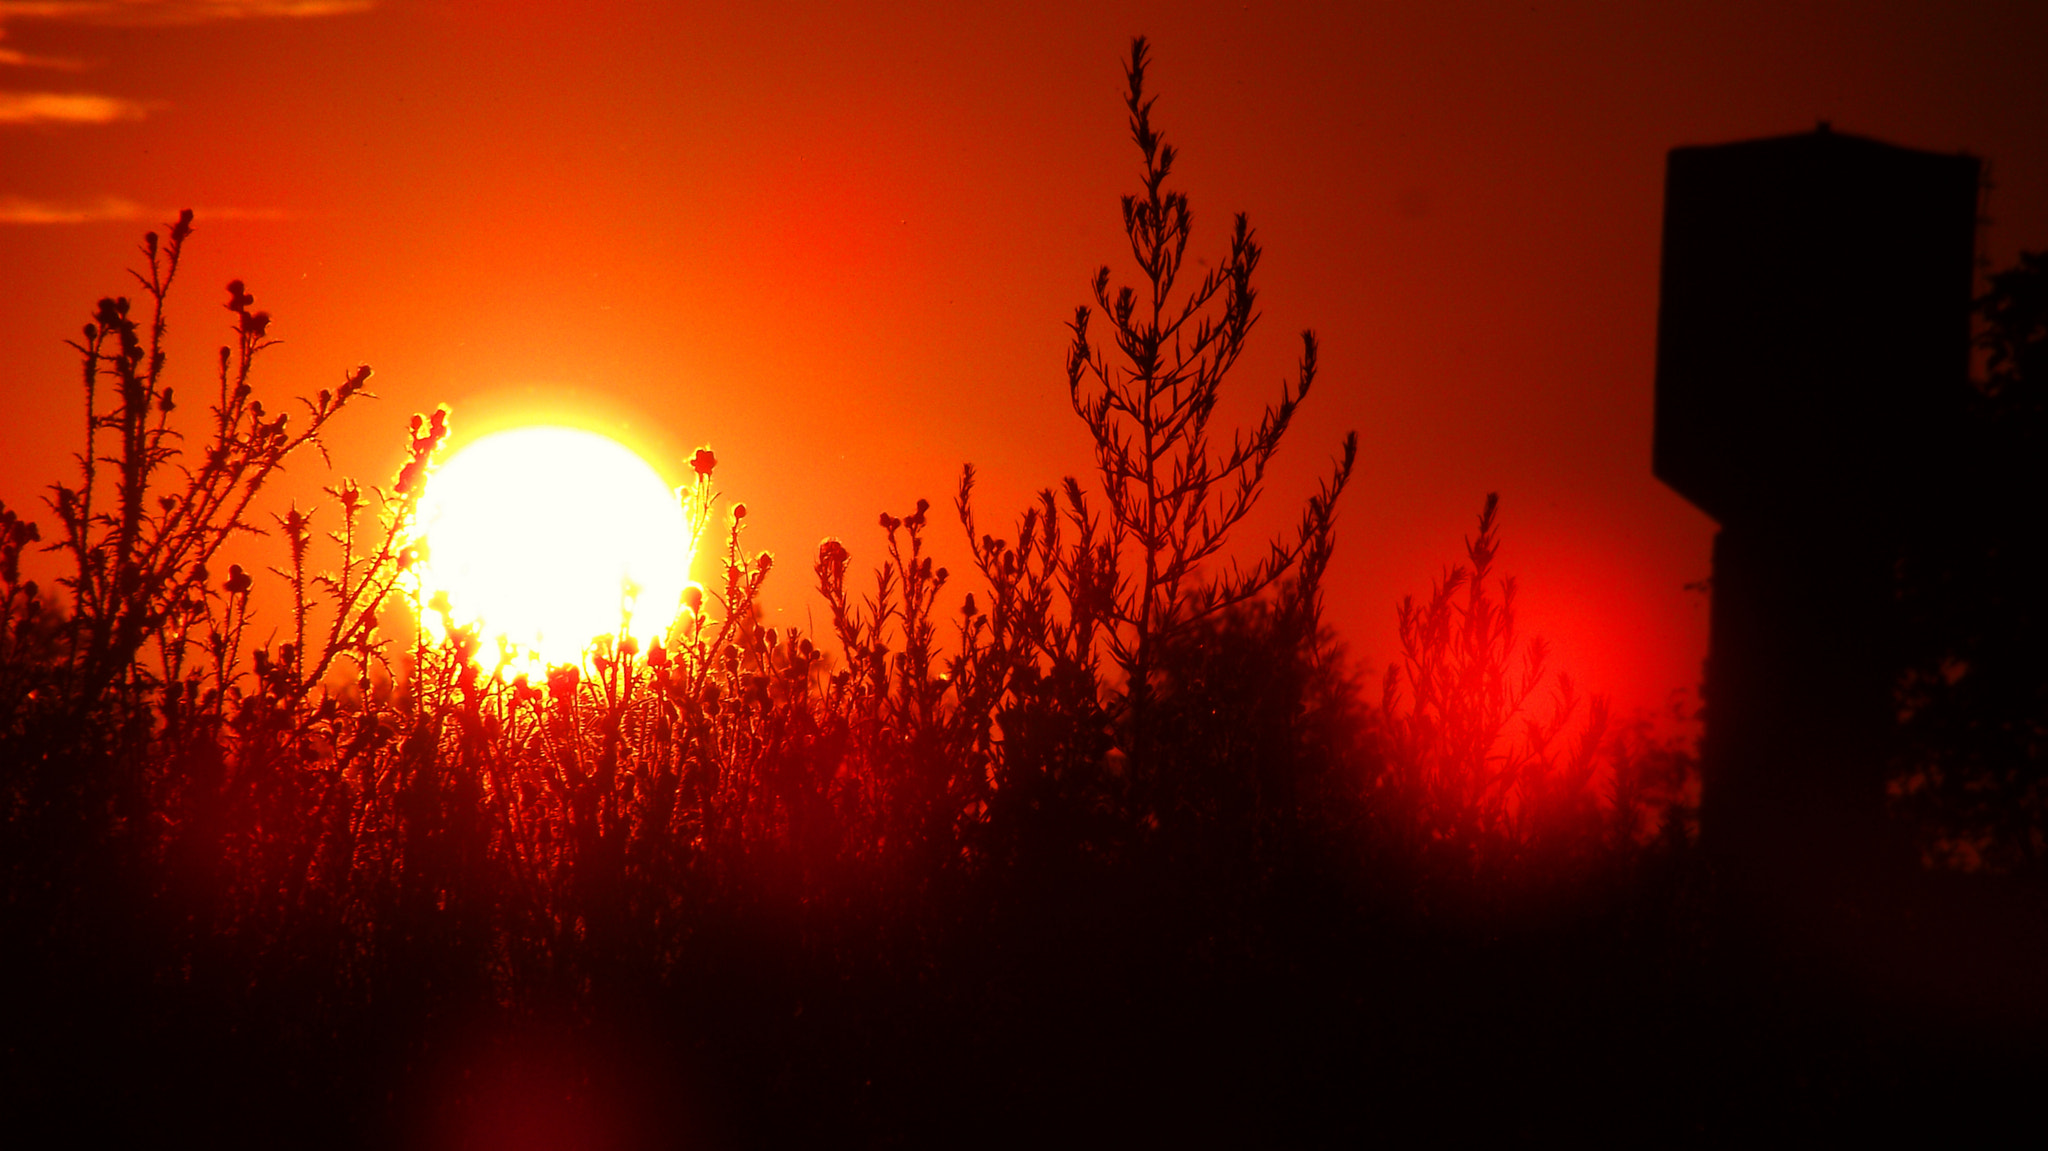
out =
column 152, row 13
column 18, row 210
column 116, row 209
column 147, row 12
column 67, row 108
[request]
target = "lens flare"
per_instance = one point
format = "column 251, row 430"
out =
column 546, row 538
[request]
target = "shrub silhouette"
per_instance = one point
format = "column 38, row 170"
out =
column 1481, row 788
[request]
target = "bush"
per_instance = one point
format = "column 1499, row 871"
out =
column 1479, row 788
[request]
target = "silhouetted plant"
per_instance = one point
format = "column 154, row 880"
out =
column 139, row 563
column 1027, row 678
column 1973, row 688
column 1477, row 785
column 114, row 750
column 2015, row 337
column 1172, row 499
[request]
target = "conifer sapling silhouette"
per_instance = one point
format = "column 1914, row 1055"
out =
column 1173, row 498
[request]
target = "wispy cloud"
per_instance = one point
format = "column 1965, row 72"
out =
column 174, row 11
column 118, row 209
column 148, row 13
column 67, row 108
column 18, row 210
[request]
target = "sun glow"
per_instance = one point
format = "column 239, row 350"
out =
column 546, row 538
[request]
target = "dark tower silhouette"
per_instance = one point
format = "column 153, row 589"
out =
column 1812, row 357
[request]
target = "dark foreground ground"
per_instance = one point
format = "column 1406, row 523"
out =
column 1111, row 1010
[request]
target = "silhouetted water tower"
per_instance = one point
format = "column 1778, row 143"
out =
column 1812, row 354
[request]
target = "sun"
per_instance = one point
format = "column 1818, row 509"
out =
column 546, row 538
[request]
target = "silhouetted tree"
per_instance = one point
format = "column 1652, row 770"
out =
column 1173, row 500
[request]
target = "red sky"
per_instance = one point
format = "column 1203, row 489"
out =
column 841, row 246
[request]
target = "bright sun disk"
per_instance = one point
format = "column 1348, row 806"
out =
column 546, row 537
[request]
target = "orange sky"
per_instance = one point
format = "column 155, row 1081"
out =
column 841, row 248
